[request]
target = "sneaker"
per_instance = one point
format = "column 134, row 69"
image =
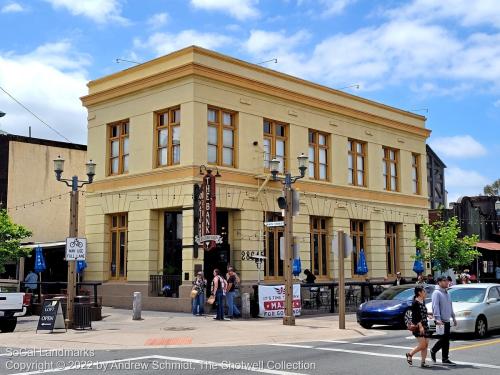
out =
column 433, row 356
column 447, row 362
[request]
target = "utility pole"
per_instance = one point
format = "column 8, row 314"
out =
column 286, row 203
column 75, row 184
column 341, row 287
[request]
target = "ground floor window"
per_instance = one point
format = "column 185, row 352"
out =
column 319, row 246
column 358, row 235
column 391, row 241
column 274, row 263
column 118, row 249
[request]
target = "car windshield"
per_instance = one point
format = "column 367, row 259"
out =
column 396, row 294
column 470, row 295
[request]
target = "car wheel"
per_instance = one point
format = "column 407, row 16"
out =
column 366, row 325
column 8, row 325
column 481, row 327
column 406, row 318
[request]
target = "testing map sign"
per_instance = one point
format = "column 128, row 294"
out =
column 76, row 248
column 272, row 301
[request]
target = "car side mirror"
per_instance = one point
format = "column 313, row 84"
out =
column 492, row 300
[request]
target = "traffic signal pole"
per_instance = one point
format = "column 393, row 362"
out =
column 289, row 317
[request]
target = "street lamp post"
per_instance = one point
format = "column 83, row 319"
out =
column 75, row 184
column 286, row 203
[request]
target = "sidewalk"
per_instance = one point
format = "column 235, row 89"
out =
column 159, row 329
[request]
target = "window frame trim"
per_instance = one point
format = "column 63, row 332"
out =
column 220, row 135
column 357, row 234
column 388, row 162
column 119, row 229
column 273, row 137
column 319, row 231
column 120, row 139
column 354, row 155
column 416, row 166
column 169, row 126
column 317, row 147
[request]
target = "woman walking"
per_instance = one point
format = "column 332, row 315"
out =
column 419, row 326
column 199, row 287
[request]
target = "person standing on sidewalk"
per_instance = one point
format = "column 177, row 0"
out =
column 442, row 309
column 419, row 319
column 232, row 309
column 218, row 290
column 199, row 285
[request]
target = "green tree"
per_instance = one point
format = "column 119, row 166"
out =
column 493, row 189
column 11, row 235
column 443, row 246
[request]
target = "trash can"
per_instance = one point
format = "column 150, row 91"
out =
column 82, row 315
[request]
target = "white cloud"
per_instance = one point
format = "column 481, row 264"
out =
column 158, row 20
column 462, row 182
column 13, row 8
column 460, row 147
column 100, row 11
column 263, row 42
column 335, row 7
column 164, row 43
column 241, row 9
column 49, row 81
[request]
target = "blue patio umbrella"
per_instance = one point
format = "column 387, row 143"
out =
column 418, row 265
column 361, row 267
column 81, row 264
column 39, row 260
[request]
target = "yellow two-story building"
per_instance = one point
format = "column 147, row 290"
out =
column 152, row 126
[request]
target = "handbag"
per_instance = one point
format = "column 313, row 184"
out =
column 413, row 327
column 211, row 300
column 194, row 293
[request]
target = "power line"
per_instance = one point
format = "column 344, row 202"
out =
column 35, row 115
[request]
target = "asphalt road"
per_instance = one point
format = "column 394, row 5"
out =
column 380, row 355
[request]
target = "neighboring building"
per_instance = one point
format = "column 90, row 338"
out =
column 152, row 126
column 33, row 198
column 435, row 180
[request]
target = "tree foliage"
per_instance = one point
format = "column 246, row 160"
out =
column 492, row 189
column 444, row 248
column 11, row 235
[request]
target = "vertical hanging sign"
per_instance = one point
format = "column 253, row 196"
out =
column 207, row 224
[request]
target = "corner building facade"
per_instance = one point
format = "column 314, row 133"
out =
column 152, row 126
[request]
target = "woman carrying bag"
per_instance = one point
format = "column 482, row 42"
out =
column 419, row 326
column 198, row 294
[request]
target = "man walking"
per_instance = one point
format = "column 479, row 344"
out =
column 442, row 309
column 232, row 309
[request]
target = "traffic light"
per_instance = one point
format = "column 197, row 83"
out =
column 282, row 203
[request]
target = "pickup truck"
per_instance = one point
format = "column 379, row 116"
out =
column 12, row 306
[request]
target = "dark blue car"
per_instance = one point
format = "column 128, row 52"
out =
column 392, row 307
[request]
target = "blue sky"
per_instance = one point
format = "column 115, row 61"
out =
column 437, row 58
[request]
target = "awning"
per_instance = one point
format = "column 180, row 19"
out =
column 488, row 245
column 44, row 245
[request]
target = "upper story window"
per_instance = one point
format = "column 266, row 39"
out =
column 118, row 134
column 318, row 155
column 356, row 163
column 275, row 138
column 390, row 168
column 221, row 137
column 168, row 131
column 415, row 173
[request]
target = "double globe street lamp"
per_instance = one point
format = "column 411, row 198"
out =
column 286, row 203
column 75, row 184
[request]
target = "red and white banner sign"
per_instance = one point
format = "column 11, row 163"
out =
column 272, row 301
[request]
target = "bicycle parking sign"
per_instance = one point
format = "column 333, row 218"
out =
column 76, row 248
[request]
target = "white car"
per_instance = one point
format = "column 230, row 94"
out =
column 476, row 307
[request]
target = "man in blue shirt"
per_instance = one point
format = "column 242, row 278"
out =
column 30, row 282
column 442, row 309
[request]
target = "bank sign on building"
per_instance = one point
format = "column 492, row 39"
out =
column 151, row 128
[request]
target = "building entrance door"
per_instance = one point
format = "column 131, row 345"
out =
column 220, row 256
column 172, row 245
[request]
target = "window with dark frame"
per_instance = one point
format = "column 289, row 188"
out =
column 415, row 173
column 356, row 162
column 275, row 143
column 118, row 136
column 390, row 169
column 358, row 235
column 168, row 139
column 392, row 251
column 221, row 137
column 318, row 155
column 274, row 265
column 118, row 247
column 319, row 247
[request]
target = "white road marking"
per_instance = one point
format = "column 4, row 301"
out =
column 367, row 344
column 208, row 364
column 294, row 346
